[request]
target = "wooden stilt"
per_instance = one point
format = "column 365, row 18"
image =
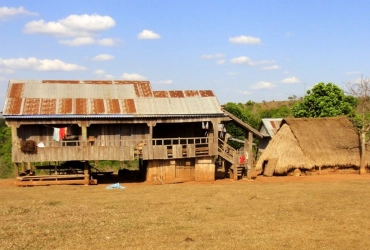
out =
column 86, row 173
column 16, row 170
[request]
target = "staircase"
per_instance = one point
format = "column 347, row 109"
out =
column 229, row 154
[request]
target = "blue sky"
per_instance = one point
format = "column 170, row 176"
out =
column 242, row 50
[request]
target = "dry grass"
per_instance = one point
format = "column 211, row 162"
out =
column 227, row 215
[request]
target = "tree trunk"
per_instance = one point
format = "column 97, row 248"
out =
column 363, row 153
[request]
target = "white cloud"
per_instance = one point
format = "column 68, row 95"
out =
column 103, row 57
column 107, row 42
column 33, row 63
column 71, row 26
column 99, row 72
column 353, row 73
column 244, row 92
column 133, row 76
column 148, row 34
column 272, row 67
column 79, row 41
column 263, row 85
column 248, row 61
column 220, row 62
column 6, row 71
column 166, row 82
column 214, row 56
column 7, row 12
column 232, row 73
column 103, row 74
column 245, row 40
column 291, row 79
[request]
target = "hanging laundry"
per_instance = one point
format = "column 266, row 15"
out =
column 204, row 125
column 62, row 133
column 56, row 134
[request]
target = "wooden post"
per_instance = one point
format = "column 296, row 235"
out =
column 250, row 155
column 84, row 134
column 16, row 170
column 235, row 167
column 213, row 137
column 86, row 173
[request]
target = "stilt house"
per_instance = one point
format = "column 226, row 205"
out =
column 173, row 133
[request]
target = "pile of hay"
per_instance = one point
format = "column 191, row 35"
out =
column 303, row 143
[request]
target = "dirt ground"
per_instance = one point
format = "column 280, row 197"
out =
column 327, row 211
column 258, row 179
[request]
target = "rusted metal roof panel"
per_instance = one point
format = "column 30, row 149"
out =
column 61, row 81
column 129, row 106
column 206, row 93
column 113, row 106
column 176, row 93
column 48, row 106
column 97, row 106
column 143, row 89
column 130, row 82
column 160, row 94
column 97, row 82
column 16, row 90
column 104, row 98
column 31, row 106
column 270, row 126
column 13, row 106
column 65, row 106
column 191, row 93
column 81, row 106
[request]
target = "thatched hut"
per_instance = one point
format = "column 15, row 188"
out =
column 308, row 143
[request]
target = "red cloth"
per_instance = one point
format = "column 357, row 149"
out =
column 62, row 133
column 241, row 159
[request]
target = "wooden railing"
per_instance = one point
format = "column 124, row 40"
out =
column 167, row 148
column 159, row 148
column 226, row 151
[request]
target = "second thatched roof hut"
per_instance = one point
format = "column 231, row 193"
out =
column 306, row 143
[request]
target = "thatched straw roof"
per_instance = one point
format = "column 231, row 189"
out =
column 308, row 142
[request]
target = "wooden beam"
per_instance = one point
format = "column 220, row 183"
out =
column 249, row 166
column 243, row 124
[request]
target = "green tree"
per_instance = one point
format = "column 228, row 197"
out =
column 325, row 100
column 6, row 169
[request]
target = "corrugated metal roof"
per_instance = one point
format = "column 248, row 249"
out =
column 49, row 98
column 270, row 126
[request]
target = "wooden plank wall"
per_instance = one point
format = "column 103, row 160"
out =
column 75, row 153
column 205, row 169
column 170, row 169
column 163, row 169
